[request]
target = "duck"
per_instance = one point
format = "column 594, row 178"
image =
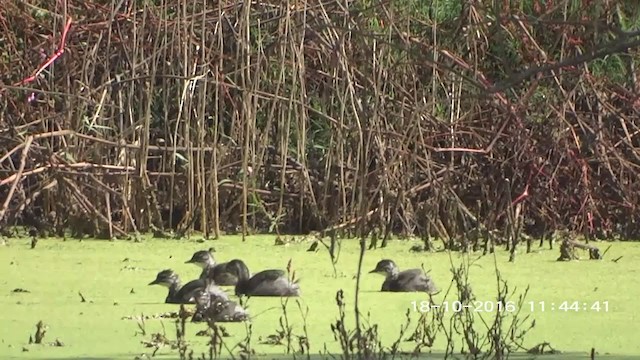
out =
column 186, row 294
column 267, row 283
column 411, row 280
column 223, row 274
column 215, row 309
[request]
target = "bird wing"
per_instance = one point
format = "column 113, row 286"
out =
column 187, row 292
column 221, row 267
column 217, row 271
column 278, row 287
column 409, row 275
column 238, row 268
column 267, row 275
column 416, row 280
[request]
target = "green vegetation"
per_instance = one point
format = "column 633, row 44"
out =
column 466, row 121
column 113, row 277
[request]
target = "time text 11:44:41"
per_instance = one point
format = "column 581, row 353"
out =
column 595, row 306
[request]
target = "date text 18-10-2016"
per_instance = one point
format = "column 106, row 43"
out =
column 458, row 306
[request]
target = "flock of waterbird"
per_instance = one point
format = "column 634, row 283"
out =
column 213, row 303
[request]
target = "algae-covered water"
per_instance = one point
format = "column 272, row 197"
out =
column 113, row 278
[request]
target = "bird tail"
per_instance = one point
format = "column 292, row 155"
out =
column 295, row 288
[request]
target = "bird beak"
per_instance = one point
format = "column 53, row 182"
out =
column 373, row 271
column 189, row 261
column 154, row 282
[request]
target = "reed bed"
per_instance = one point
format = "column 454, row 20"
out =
column 412, row 118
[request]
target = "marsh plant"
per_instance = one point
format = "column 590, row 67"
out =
column 358, row 342
column 294, row 343
column 41, row 330
column 493, row 333
column 285, row 335
column 479, row 330
column 488, row 329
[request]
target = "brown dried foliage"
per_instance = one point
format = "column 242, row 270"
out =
column 294, row 116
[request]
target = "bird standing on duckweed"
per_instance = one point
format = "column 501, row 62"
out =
column 186, row 294
column 223, row 274
column 403, row 281
column 268, row 283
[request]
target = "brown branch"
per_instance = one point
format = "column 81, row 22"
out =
column 82, row 165
column 89, row 207
column 51, row 59
column 611, row 48
column 16, row 177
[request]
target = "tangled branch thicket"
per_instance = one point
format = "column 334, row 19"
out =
column 392, row 116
